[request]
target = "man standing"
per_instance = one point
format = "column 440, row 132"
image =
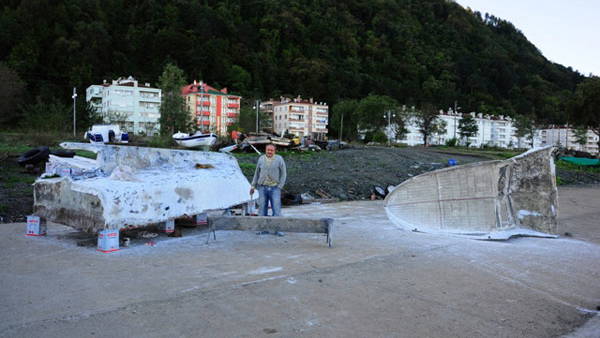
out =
column 269, row 179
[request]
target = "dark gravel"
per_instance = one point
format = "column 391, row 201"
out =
column 351, row 174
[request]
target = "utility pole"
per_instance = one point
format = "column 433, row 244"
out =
column 74, row 104
column 455, row 114
column 257, row 108
column 389, row 128
column 341, row 126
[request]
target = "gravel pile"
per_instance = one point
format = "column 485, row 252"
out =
column 351, row 174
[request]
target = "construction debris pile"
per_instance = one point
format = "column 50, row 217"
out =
column 254, row 142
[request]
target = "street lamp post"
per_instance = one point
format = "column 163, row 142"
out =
column 341, row 126
column 257, row 108
column 389, row 116
column 74, row 104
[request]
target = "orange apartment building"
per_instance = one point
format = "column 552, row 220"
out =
column 213, row 110
column 300, row 117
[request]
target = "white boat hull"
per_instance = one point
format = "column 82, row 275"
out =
column 196, row 140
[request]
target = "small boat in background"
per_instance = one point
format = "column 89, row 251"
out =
column 106, row 133
column 197, row 139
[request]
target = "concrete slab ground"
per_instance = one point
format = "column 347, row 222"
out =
column 378, row 280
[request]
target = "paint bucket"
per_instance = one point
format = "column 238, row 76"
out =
column 202, row 219
column 36, row 226
column 251, row 209
column 168, row 226
column 108, row 240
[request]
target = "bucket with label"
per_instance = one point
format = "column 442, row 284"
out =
column 108, row 240
column 36, row 226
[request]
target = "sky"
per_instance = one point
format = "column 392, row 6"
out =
column 565, row 31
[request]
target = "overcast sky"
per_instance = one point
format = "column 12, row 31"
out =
column 565, row 31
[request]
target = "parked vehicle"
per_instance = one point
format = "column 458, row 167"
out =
column 106, row 133
column 197, row 139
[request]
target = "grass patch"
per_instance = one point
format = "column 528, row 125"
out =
column 158, row 141
column 493, row 154
column 85, row 153
column 564, row 165
column 248, row 166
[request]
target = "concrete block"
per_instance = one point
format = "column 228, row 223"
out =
column 273, row 224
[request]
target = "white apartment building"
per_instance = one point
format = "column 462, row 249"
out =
column 300, row 117
column 495, row 131
column 134, row 108
column 563, row 136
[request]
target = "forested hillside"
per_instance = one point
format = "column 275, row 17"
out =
column 414, row 51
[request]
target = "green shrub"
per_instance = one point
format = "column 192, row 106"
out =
column 160, row 141
column 379, row 137
column 452, row 142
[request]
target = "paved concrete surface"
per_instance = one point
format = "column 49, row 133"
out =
column 376, row 281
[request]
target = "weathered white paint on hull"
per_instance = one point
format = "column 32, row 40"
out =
column 492, row 199
column 141, row 186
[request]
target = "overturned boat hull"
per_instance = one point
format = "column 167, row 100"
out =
column 136, row 186
column 488, row 200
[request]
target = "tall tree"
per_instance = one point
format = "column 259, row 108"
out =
column 429, row 123
column 342, row 123
column 525, row 128
column 467, row 128
column 173, row 114
column 12, row 91
column 580, row 135
column 371, row 110
column 585, row 107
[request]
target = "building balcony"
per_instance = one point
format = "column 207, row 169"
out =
column 234, row 115
column 233, row 105
column 204, row 103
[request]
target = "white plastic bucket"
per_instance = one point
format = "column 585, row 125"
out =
column 168, row 226
column 251, row 209
column 36, row 226
column 202, row 219
column 108, row 240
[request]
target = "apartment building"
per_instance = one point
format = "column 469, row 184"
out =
column 213, row 110
column 300, row 117
column 564, row 136
column 134, row 108
column 497, row 131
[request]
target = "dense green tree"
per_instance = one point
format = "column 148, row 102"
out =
column 12, row 91
column 412, row 51
column 525, row 128
column 428, row 122
column 585, row 107
column 342, row 123
column 467, row 127
column 174, row 116
column 580, row 135
column 371, row 111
